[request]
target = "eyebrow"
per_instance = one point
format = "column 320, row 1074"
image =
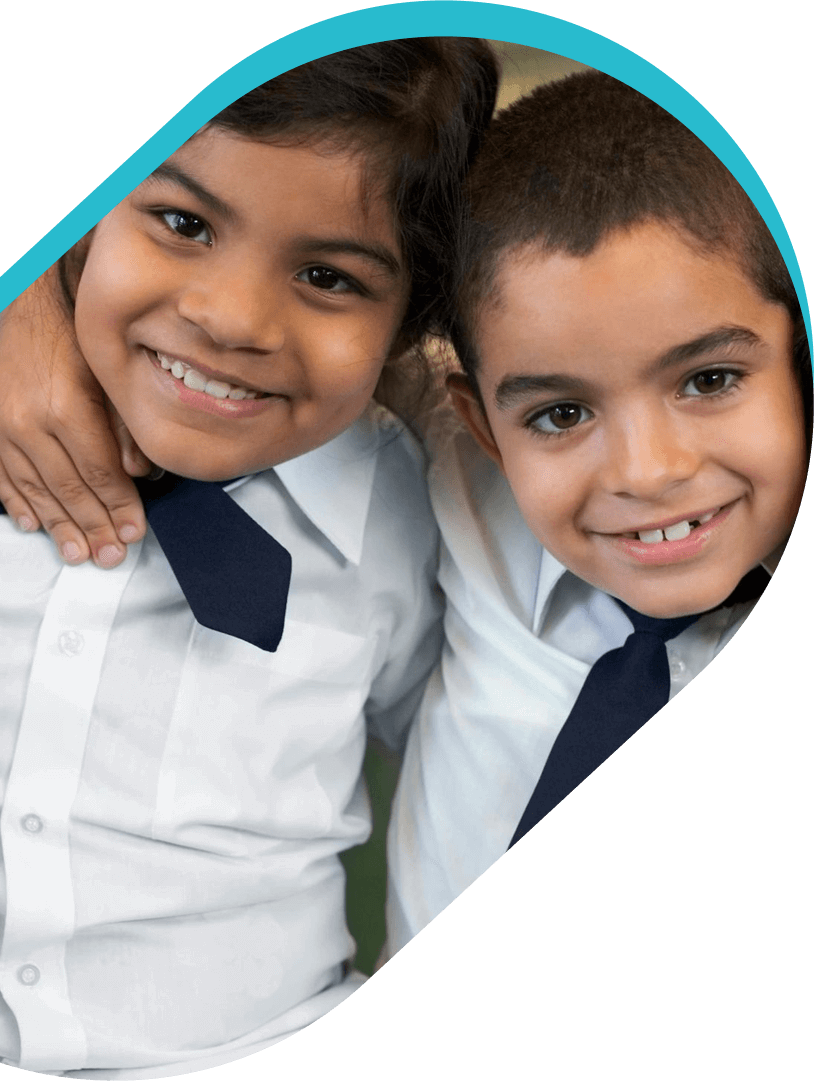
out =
column 379, row 254
column 174, row 175
column 515, row 388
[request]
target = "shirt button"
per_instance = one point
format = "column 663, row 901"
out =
column 71, row 643
column 29, row 975
column 677, row 668
column 31, row 823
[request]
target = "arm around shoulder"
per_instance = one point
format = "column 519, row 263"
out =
column 59, row 459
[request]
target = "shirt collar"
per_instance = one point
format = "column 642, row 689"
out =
column 333, row 485
column 552, row 571
column 549, row 574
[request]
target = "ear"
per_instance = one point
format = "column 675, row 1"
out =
column 469, row 409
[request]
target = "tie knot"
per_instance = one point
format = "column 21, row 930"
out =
column 665, row 629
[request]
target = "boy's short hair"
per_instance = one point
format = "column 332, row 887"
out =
column 583, row 157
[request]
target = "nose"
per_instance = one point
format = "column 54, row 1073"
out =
column 648, row 453
column 236, row 307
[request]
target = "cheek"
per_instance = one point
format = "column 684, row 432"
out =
column 118, row 282
column 770, row 450
column 549, row 503
column 347, row 360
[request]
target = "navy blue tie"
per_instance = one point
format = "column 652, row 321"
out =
column 624, row 689
column 234, row 575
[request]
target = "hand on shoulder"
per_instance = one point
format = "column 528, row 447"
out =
column 60, row 461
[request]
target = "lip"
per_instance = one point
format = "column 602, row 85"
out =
column 677, row 551
column 197, row 399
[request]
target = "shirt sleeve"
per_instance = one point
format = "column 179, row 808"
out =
column 407, row 558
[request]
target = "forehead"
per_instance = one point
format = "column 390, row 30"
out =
column 639, row 293
column 272, row 179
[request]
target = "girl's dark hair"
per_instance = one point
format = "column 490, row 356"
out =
column 582, row 157
column 418, row 109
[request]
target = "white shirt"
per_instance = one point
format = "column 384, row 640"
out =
column 174, row 799
column 522, row 633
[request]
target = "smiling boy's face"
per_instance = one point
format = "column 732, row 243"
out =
column 642, row 404
column 238, row 306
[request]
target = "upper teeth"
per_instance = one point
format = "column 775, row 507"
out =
column 677, row 531
column 196, row 381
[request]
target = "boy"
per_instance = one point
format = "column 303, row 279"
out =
column 176, row 790
column 636, row 394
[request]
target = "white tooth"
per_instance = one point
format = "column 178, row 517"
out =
column 237, row 394
column 678, row 531
column 706, row 517
column 178, row 368
column 165, row 363
column 194, row 380
column 217, row 389
column 651, row 536
column 251, row 394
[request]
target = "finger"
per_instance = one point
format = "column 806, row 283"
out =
column 92, row 455
column 68, row 510
column 17, row 508
column 70, row 542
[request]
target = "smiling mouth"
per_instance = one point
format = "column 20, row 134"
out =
column 215, row 388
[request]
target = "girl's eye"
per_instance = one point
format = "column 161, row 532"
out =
column 329, row 281
column 188, row 226
column 560, row 418
column 711, row 382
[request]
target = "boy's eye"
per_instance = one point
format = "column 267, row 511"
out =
column 710, row 382
column 560, row 418
column 188, row 226
column 330, row 281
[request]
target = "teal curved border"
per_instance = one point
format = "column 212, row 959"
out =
column 420, row 18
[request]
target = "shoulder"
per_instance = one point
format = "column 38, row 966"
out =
column 471, row 497
column 490, row 560
column 397, row 447
column 400, row 506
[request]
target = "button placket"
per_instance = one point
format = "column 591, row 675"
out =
column 35, row 823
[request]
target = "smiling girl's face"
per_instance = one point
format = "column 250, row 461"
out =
column 238, row 306
column 642, row 404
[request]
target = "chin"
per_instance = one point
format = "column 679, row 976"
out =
column 672, row 605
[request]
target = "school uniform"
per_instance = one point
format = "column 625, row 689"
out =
column 175, row 799
column 521, row 635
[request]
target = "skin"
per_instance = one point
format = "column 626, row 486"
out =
column 260, row 266
column 639, row 385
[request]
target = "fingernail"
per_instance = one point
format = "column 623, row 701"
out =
column 128, row 533
column 109, row 556
column 26, row 524
column 70, row 552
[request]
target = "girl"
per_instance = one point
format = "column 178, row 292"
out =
column 175, row 796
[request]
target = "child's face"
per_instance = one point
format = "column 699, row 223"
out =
column 631, row 395
column 266, row 274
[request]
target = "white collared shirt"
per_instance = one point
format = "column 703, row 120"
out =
column 174, row 799
column 521, row 633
